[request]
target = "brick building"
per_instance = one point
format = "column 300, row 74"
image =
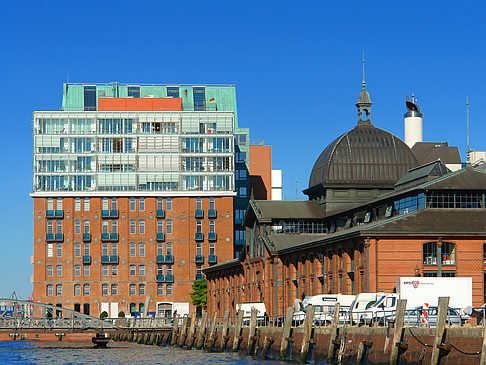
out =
column 373, row 216
column 134, row 191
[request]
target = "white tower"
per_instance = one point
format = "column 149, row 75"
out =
column 413, row 122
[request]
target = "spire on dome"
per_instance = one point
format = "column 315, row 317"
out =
column 364, row 102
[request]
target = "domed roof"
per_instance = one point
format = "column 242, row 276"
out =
column 364, row 155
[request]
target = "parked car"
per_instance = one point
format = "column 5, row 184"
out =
column 420, row 316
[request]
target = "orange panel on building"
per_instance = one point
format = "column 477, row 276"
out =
column 261, row 172
column 139, row 104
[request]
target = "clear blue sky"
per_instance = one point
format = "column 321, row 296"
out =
column 297, row 67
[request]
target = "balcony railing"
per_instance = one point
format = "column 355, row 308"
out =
column 169, row 259
column 160, row 213
column 105, row 259
column 114, row 237
column 54, row 237
column 113, row 213
column 212, row 236
column 54, row 213
column 86, row 259
column 199, row 213
column 160, row 236
column 169, row 278
column 199, row 276
column 199, row 259
column 105, row 236
column 114, row 259
column 160, row 278
column 160, row 259
column 212, row 213
column 86, row 237
column 199, row 236
column 212, row 259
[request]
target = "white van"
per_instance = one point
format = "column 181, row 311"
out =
column 324, row 307
column 362, row 303
column 246, row 307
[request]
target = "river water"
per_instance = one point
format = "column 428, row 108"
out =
column 27, row 352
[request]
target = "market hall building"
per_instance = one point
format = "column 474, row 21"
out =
column 372, row 216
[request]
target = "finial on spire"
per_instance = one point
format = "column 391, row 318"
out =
column 364, row 83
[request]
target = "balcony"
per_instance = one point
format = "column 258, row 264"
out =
column 160, row 213
column 212, row 213
column 114, row 259
column 54, row 237
column 212, row 236
column 199, row 213
column 169, row 259
column 160, row 236
column 160, row 259
column 169, row 278
column 54, row 214
column 199, row 277
column 105, row 259
column 199, row 236
column 105, row 237
column 113, row 213
column 199, row 259
column 212, row 259
column 86, row 237
column 160, row 278
column 114, row 237
column 86, row 259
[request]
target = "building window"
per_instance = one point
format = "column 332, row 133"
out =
column 113, row 204
column 49, row 270
column 160, row 289
column 133, row 270
column 90, row 98
column 86, row 249
column 198, row 226
column 59, row 227
column 448, row 253
column 50, row 225
column 168, row 204
column 198, row 270
column 49, row 290
column 77, row 270
column 141, row 226
column 141, row 204
column 114, row 270
column 141, row 289
column 240, row 157
column 104, row 289
column 86, row 289
column 199, row 97
column 59, row 203
column 133, row 91
column 114, row 226
column 58, row 270
column 160, row 249
column 160, row 226
column 77, row 226
column 160, row 204
column 241, row 139
column 104, row 204
column 114, row 249
column 86, row 270
column 141, row 270
column 199, row 248
column 59, row 290
column 168, row 248
column 114, row 289
column 211, row 203
column 160, row 269
column 133, row 226
column 133, row 289
column 50, row 204
column 86, row 204
column 212, row 250
column 168, row 269
column 133, row 249
column 105, row 269
column 168, row 226
column 172, row 92
column 430, row 253
column 212, row 225
column 50, row 249
column 239, row 216
column 104, row 249
column 242, row 192
column 77, row 204
column 168, row 289
column 86, row 226
column 58, row 249
column 104, row 227
column 240, row 175
column 141, row 249
column 133, row 204
column 77, row 290
column 198, row 203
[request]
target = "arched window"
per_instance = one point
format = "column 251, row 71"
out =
column 168, row 248
column 77, row 289
column 114, row 226
column 160, row 289
column 430, row 253
column 77, row 249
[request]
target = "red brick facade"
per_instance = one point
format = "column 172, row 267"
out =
column 144, row 258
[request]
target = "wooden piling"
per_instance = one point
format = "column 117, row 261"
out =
column 239, row 324
column 192, row 328
column 202, row 331
column 224, row 332
column 266, row 346
column 183, row 331
column 152, row 338
column 306, row 339
column 175, row 331
column 252, row 331
column 440, row 328
column 334, row 333
column 212, row 334
column 397, row 337
column 284, row 344
column 483, row 352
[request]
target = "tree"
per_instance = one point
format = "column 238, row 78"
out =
column 199, row 295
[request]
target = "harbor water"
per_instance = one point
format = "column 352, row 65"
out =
column 70, row 352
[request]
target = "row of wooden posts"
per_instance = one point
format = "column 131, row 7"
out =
column 184, row 335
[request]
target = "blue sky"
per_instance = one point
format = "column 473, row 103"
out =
column 297, row 67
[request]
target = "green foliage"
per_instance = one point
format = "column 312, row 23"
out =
column 104, row 314
column 121, row 314
column 199, row 295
